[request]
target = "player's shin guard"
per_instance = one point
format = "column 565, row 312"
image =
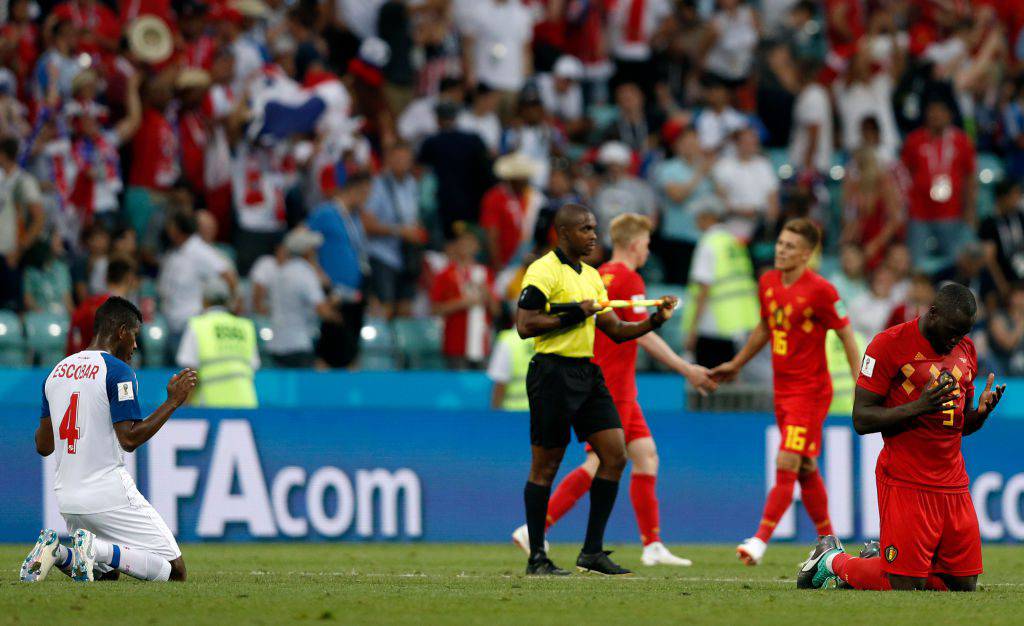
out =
column 860, row 573
column 779, row 499
column 812, row 491
column 133, row 562
column 536, row 499
column 602, row 500
column 645, row 505
column 567, row 493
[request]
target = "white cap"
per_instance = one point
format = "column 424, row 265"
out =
column 615, row 153
column 301, row 240
column 568, row 66
column 375, row 51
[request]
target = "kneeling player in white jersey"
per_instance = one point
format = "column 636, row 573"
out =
column 95, row 393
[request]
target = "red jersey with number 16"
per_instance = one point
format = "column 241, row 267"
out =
column 924, row 452
column 618, row 360
column 798, row 316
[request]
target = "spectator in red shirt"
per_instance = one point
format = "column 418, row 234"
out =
column 463, row 294
column 919, row 298
column 98, row 27
column 154, row 152
column 121, row 281
column 509, row 210
column 19, row 42
column 940, row 160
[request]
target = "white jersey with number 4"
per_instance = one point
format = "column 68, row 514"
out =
column 84, row 396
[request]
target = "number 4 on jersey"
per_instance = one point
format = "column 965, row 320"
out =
column 69, row 424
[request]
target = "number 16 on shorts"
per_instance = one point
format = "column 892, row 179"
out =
column 794, row 438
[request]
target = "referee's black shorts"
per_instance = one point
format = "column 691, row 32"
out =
column 566, row 392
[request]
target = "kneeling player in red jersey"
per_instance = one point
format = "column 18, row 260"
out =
column 916, row 387
column 631, row 235
column 798, row 308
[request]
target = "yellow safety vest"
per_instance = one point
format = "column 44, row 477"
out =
column 521, row 351
column 226, row 346
column 839, row 368
column 732, row 297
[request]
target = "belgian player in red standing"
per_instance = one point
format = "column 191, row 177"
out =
column 798, row 308
column 916, row 387
column 631, row 236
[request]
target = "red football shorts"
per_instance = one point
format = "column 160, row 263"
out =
column 928, row 532
column 800, row 419
column 633, row 421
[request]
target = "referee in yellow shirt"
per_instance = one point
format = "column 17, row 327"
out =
column 566, row 390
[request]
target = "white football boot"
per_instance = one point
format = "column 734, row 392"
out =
column 42, row 557
column 751, row 551
column 657, row 554
column 83, row 556
column 521, row 537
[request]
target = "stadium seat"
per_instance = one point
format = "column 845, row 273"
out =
column 419, row 343
column 780, row 162
column 147, row 288
column 12, row 340
column 46, row 335
column 990, row 172
column 603, row 115
column 377, row 346
column 154, row 342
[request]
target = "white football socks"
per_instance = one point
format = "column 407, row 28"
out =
column 136, row 563
column 63, row 558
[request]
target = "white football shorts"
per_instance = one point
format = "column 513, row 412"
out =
column 138, row 526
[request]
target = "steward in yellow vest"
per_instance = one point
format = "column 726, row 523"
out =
column 722, row 306
column 839, row 367
column 222, row 347
column 510, row 361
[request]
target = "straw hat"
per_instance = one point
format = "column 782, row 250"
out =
column 149, row 39
column 254, row 9
column 515, row 166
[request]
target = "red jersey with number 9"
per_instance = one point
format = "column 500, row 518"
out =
column 618, row 360
column 924, row 452
column 798, row 316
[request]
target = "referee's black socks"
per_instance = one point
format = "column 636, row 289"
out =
column 536, row 498
column 602, row 499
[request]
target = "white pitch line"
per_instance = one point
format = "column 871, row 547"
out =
column 463, row 575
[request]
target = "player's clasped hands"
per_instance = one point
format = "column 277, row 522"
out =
column 938, row 394
column 181, row 385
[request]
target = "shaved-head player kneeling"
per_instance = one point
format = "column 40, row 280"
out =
column 559, row 306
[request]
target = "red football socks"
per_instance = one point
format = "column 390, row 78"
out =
column 571, row 489
column 812, row 491
column 861, row 573
column 779, row 499
column 867, row 574
column 645, row 505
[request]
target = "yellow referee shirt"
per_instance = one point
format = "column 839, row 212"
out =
column 560, row 282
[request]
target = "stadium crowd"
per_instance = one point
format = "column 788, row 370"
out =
column 332, row 167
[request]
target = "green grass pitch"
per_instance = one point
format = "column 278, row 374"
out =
column 483, row 584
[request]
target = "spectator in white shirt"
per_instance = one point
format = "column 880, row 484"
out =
column 865, row 93
column 810, row 148
column 632, row 27
column 562, row 95
column 482, row 117
column 731, row 41
column 297, row 301
column 497, row 36
column 870, row 310
column 185, row 268
column 748, row 185
column 718, row 121
column 419, row 120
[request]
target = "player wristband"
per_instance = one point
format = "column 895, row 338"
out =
column 571, row 317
